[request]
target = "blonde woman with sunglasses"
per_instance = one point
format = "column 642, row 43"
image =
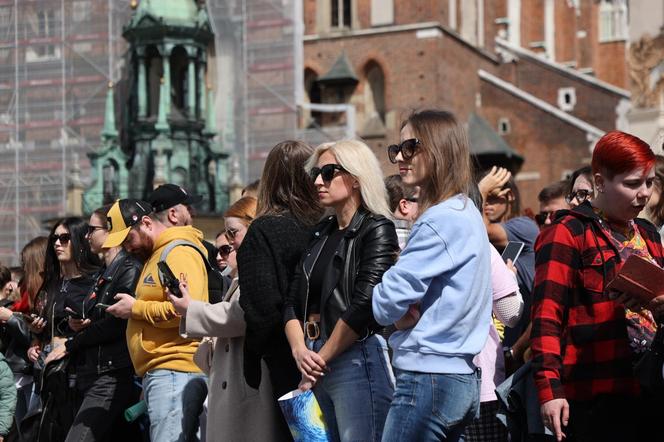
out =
column 333, row 337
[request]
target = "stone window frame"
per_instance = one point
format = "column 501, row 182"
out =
column 612, row 21
column 504, row 126
column 343, row 20
column 566, row 98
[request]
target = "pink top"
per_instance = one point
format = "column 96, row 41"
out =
column 491, row 359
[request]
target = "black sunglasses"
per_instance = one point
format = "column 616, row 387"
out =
column 91, row 229
column 580, row 195
column 326, row 172
column 225, row 250
column 407, row 149
column 64, row 238
column 541, row 217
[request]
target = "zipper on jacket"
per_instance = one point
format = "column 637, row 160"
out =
column 306, row 275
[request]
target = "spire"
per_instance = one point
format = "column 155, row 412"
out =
column 109, row 132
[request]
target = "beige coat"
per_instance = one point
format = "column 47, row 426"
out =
column 236, row 412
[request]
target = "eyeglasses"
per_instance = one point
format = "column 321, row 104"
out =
column 64, row 238
column 541, row 217
column 407, row 149
column 91, row 229
column 580, row 195
column 230, row 234
column 225, row 250
column 326, row 172
column 411, row 200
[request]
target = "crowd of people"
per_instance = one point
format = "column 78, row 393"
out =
column 131, row 326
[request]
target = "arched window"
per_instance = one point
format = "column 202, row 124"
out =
column 312, row 95
column 155, row 71
column 179, row 63
column 375, row 91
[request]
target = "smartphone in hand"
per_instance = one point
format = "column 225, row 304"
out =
column 73, row 314
column 168, row 279
column 512, row 251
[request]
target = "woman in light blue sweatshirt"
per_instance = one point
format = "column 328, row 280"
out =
column 439, row 292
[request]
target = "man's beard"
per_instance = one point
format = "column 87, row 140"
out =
column 144, row 251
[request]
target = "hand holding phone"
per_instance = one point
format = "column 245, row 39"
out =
column 73, row 314
column 168, row 279
column 512, row 251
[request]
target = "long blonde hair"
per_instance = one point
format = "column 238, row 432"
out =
column 358, row 160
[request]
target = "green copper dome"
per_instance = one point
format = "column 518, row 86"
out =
column 178, row 13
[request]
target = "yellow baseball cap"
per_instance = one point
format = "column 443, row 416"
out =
column 122, row 216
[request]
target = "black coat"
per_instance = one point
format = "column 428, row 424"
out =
column 15, row 337
column 368, row 248
column 102, row 346
column 266, row 261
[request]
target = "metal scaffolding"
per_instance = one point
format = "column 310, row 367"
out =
column 56, row 58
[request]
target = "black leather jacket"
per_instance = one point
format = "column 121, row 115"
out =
column 368, row 248
column 102, row 346
column 15, row 337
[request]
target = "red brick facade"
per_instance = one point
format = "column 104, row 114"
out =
column 432, row 66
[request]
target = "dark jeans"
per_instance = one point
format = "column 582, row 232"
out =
column 610, row 418
column 101, row 401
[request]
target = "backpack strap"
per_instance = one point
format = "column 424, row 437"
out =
column 183, row 242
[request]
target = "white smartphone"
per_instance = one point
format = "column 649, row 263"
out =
column 512, row 251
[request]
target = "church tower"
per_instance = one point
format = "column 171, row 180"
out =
column 167, row 116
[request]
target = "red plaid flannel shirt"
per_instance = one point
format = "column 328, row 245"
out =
column 574, row 262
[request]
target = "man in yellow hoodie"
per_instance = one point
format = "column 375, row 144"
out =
column 158, row 352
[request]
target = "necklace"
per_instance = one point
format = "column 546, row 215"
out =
column 64, row 285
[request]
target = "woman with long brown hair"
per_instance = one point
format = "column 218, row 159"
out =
column 32, row 263
column 15, row 332
column 287, row 210
column 438, row 294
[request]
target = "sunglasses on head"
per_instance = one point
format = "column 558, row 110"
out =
column 64, row 238
column 230, row 234
column 407, row 149
column 225, row 250
column 326, row 172
column 579, row 195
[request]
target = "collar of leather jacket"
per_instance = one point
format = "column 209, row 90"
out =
column 324, row 227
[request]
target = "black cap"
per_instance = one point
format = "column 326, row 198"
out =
column 169, row 195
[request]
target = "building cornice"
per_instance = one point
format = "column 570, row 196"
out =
column 414, row 27
column 541, row 104
column 530, row 55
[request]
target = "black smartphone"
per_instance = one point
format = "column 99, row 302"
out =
column 512, row 251
column 101, row 306
column 73, row 314
column 168, row 279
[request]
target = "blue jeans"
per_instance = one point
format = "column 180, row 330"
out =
column 432, row 407
column 355, row 394
column 172, row 412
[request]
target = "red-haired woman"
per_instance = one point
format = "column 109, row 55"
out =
column 584, row 341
